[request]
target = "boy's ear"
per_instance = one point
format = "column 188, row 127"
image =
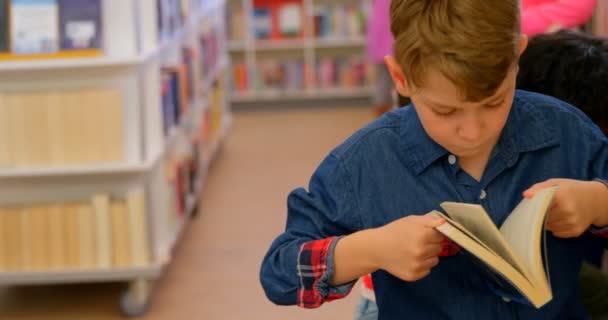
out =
column 523, row 44
column 398, row 77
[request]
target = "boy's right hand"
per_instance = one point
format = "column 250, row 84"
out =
column 409, row 248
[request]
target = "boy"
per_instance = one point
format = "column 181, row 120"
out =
column 573, row 67
column 469, row 137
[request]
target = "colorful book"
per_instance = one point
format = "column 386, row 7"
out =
column 262, row 23
column 80, row 24
column 34, row 26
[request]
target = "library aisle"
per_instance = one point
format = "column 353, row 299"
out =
column 215, row 271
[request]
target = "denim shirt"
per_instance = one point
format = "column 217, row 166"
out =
column 391, row 169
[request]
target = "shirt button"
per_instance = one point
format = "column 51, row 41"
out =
column 483, row 194
column 505, row 299
column 452, row 159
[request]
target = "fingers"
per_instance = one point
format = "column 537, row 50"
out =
column 539, row 186
column 431, row 221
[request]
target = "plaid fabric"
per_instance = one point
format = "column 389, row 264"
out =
column 602, row 232
column 449, row 248
column 312, row 265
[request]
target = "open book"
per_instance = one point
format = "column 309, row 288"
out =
column 515, row 252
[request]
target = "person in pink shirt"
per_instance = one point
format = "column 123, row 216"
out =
column 541, row 16
column 379, row 45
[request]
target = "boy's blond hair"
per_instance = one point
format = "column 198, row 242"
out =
column 473, row 43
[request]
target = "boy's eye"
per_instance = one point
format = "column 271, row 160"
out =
column 495, row 105
column 444, row 112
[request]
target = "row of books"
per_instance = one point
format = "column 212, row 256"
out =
column 182, row 84
column 179, row 88
column 172, row 15
column 340, row 20
column 102, row 232
column 29, row 27
column 286, row 19
column 295, row 75
column 185, row 162
column 59, row 128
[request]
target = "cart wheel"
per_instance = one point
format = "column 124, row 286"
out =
column 134, row 300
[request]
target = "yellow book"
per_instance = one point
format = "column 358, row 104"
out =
column 113, row 140
column 26, row 239
column 3, row 243
column 101, row 207
column 57, row 237
column 87, row 235
column 55, row 137
column 12, row 239
column 36, row 122
column 138, row 227
column 121, row 249
column 72, row 248
column 17, row 123
column 72, row 128
column 39, row 241
column 513, row 255
column 6, row 140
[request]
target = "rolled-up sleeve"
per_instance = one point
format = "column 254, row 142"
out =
column 299, row 264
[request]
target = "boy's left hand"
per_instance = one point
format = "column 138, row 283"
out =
column 576, row 206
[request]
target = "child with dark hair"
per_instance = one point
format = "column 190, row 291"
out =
column 573, row 67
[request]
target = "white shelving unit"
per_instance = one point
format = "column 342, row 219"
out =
column 132, row 62
column 310, row 48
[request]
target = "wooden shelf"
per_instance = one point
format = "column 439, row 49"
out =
column 79, row 275
column 300, row 95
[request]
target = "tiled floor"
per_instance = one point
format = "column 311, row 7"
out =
column 215, row 271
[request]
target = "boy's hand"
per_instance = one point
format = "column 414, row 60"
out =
column 409, row 247
column 576, row 206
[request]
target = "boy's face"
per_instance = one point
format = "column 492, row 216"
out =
column 466, row 129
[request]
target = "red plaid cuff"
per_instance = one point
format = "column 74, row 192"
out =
column 603, row 232
column 312, row 266
column 449, row 248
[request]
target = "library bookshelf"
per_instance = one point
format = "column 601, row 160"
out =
column 322, row 55
column 103, row 157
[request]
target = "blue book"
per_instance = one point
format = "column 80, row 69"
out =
column 3, row 25
column 34, row 26
column 262, row 23
column 80, row 24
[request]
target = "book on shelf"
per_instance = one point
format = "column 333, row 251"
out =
column 170, row 18
column 346, row 20
column 61, row 128
column 100, row 233
column 4, row 23
column 80, row 24
column 236, row 23
column 513, row 257
column 34, row 26
column 277, row 19
column 292, row 75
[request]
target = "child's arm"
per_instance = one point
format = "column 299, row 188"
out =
column 565, row 13
column 407, row 248
column 324, row 250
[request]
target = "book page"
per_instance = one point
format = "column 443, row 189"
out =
column 536, row 296
column 523, row 230
column 475, row 219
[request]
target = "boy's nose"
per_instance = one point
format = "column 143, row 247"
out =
column 470, row 131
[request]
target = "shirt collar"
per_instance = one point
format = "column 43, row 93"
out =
column 527, row 129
